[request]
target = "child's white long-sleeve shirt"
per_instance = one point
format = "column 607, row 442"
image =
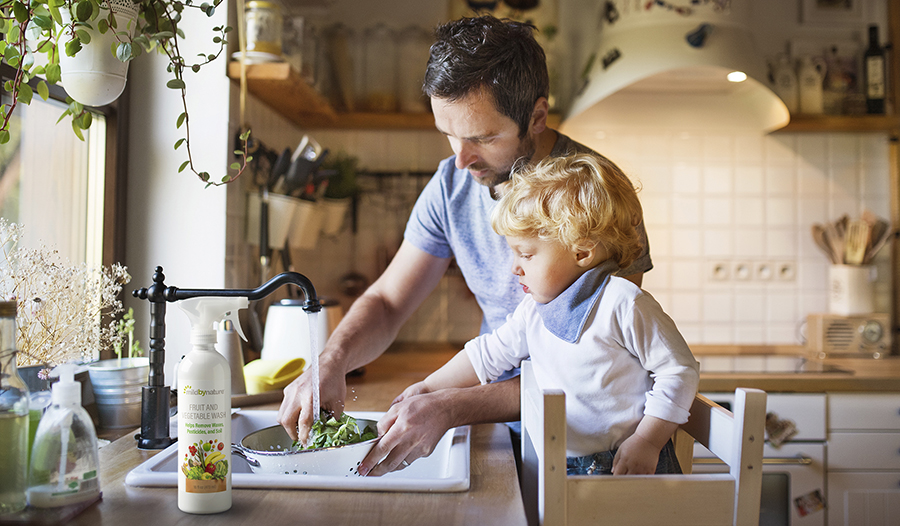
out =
column 609, row 346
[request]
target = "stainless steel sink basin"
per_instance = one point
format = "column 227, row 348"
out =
column 763, row 363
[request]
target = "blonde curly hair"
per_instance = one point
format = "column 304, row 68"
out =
column 580, row 200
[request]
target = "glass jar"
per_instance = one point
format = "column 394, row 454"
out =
column 380, row 69
column 415, row 48
column 264, row 26
column 13, row 417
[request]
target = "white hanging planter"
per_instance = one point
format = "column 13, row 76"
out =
column 94, row 76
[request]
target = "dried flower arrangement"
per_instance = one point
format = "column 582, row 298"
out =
column 60, row 306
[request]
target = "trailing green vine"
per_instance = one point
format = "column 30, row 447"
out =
column 32, row 27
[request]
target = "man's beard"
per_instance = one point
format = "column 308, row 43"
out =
column 524, row 152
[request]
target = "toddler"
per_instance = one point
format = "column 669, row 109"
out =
column 628, row 375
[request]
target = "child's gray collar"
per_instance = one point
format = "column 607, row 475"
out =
column 565, row 315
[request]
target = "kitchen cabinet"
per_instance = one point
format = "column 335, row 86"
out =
column 863, row 459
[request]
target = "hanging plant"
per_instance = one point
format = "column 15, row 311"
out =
column 58, row 29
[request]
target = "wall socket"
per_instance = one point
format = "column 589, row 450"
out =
column 750, row 270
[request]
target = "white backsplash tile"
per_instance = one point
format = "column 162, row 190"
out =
column 717, row 199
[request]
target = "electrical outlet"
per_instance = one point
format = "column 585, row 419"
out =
column 764, row 271
column 742, row 271
column 786, row 270
column 719, row 271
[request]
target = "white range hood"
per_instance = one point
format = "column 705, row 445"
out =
column 658, row 68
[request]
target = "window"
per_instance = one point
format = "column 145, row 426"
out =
column 53, row 183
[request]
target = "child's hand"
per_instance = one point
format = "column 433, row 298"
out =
column 413, row 390
column 636, row 456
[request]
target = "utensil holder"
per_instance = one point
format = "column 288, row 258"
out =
column 850, row 290
column 282, row 210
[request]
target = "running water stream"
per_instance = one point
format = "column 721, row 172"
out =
column 314, row 361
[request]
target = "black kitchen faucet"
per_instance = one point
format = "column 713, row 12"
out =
column 155, row 395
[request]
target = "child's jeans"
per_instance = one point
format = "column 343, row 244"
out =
column 601, row 463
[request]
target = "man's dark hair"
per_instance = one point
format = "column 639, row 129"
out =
column 500, row 56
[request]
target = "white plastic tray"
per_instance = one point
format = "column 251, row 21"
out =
column 445, row 470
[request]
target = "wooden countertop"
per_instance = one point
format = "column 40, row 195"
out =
column 493, row 496
column 846, row 374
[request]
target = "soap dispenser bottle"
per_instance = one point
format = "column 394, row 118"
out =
column 65, row 460
column 204, row 409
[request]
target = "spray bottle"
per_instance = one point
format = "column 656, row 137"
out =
column 65, row 460
column 204, row 409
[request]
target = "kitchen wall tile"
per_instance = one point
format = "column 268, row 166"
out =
column 751, row 308
column 660, row 239
column 749, row 211
column 718, row 243
column 652, row 178
column 811, row 210
column 717, row 211
column 843, row 146
column 686, row 275
column 749, row 334
column 780, row 148
column 718, row 307
column 659, row 278
column 718, row 179
column 686, row 179
column 812, row 180
column 717, row 148
column 685, row 242
column 686, row 308
column 780, row 211
column 781, row 243
column 813, row 148
column 749, row 243
column 845, row 180
column 748, row 180
column 778, row 333
column 654, row 147
column 748, row 149
column 770, row 189
column 657, row 209
column 717, row 334
column 780, row 180
column 687, row 147
column 686, row 211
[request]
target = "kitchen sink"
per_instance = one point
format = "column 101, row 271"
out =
column 445, row 470
column 763, row 363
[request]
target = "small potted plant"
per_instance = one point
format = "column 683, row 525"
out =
column 66, row 35
column 118, row 382
column 339, row 192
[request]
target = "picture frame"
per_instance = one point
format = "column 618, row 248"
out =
column 831, row 12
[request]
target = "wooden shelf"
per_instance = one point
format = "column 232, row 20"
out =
column 285, row 91
column 842, row 123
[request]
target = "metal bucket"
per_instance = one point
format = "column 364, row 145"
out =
column 118, row 385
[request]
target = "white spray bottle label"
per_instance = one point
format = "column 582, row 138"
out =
column 205, row 436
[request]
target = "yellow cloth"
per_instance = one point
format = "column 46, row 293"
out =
column 269, row 375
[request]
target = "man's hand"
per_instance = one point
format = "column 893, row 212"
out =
column 410, row 429
column 295, row 413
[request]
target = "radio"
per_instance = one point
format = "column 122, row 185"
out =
column 860, row 335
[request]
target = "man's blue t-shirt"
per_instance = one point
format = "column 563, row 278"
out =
column 452, row 218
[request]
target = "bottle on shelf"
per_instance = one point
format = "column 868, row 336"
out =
column 875, row 75
column 785, row 83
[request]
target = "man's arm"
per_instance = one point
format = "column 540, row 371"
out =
column 364, row 333
column 414, row 425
